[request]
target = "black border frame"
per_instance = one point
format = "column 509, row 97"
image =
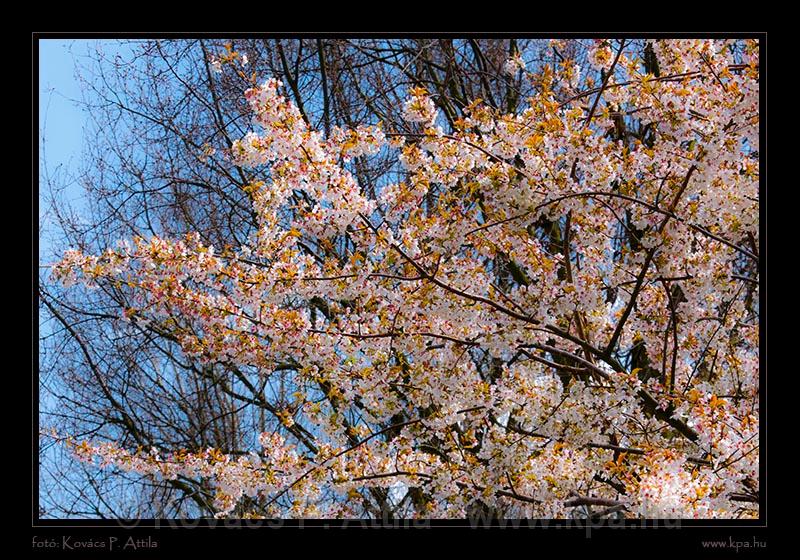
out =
column 174, row 531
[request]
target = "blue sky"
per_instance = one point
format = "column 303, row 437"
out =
column 60, row 119
column 61, row 122
column 60, row 125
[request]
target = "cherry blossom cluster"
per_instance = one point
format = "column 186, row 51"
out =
column 553, row 303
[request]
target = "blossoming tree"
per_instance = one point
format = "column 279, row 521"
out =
column 553, row 313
